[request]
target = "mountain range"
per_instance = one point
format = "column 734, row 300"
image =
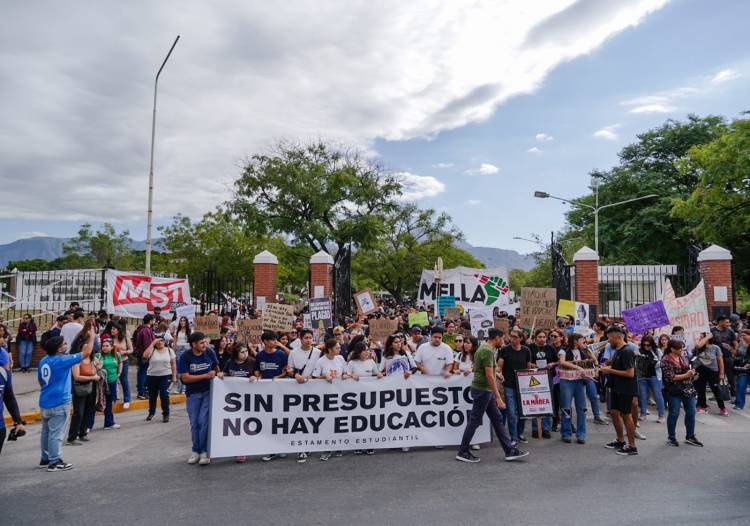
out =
column 52, row 247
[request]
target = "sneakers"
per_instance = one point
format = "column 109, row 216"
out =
column 660, row 420
column 466, row 456
column 142, row 397
column 673, row 442
column 475, row 447
column 43, row 464
column 370, row 451
column 60, row 466
column 73, row 443
column 325, row 456
column 149, row 418
column 600, row 421
column 693, row 441
column 567, row 440
column 205, row 459
column 301, row 458
column 194, row 458
column 515, row 454
column 535, row 434
column 615, row 444
column 405, row 449
column 701, row 411
column 165, row 418
column 639, row 435
column 724, row 412
column 338, row 453
column 113, row 426
column 268, row 458
column 126, row 405
column 627, row 451
column 84, row 438
column 522, row 439
column 580, row 440
column 546, row 434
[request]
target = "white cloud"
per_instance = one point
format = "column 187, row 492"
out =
column 35, row 233
column 419, row 186
column 473, row 202
column 534, row 150
column 443, row 165
column 245, row 73
column 653, row 108
column 725, row 75
column 543, row 137
column 608, row 132
column 484, row 169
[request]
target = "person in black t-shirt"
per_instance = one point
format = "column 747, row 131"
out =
column 512, row 358
column 726, row 339
column 543, row 356
column 624, row 387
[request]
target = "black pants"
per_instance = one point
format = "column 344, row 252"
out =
column 707, row 376
column 158, row 386
column 484, row 404
column 555, row 400
column 729, row 371
column 9, row 398
column 2, row 438
column 83, row 407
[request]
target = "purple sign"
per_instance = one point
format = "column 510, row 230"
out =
column 644, row 317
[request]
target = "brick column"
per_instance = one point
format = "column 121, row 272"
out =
column 321, row 273
column 587, row 277
column 264, row 278
column 715, row 265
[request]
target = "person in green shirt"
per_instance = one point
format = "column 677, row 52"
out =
column 487, row 401
column 110, row 361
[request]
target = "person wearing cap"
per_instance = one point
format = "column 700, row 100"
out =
column 624, row 388
column 416, row 339
column 197, row 368
column 54, row 376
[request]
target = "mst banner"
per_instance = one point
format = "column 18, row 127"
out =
column 472, row 287
column 282, row 416
column 135, row 295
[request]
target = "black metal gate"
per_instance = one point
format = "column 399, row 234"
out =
column 560, row 271
column 224, row 294
column 342, row 284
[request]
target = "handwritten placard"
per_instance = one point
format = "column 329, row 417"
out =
column 644, row 317
column 538, row 307
column 278, row 317
column 381, row 329
column 208, row 325
column 249, row 331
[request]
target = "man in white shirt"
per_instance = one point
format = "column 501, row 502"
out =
column 71, row 329
column 303, row 358
column 435, row 358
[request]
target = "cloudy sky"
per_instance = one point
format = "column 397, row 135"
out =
column 476, row 103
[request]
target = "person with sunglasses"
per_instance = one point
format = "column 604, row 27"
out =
column 463, row 362
column 512, row 358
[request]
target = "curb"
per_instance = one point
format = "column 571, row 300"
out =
column 35, row 416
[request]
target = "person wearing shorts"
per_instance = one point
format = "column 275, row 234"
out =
column 624, row 387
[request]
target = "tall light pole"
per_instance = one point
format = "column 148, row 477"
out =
column 595, row 209
column 151, row 164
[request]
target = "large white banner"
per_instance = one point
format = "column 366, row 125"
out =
column 472, row 287
column 282, row 416
column 135, row 295
column 54, row 290
column 689, row 312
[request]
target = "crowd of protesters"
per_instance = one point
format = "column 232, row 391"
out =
column 87, row 360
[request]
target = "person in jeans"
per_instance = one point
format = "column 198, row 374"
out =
column 573, row 389
column 710, row 371
column 54, row 376
column 143, row 337
column 161, row 370
column 742, row 369
column 648, row 380
column 512, row 358
column 486, row 400
column 726, row 339
column 25, row 339
column 124, row 347
column 180, row 337
column 111, row 363
column 678, row 386
column 196, row 369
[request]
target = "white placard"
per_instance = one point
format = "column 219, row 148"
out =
column 319, row 291
column 282, row 416
column 721, row 294
column 186, row 310
column 536, row 399
column 260, row 302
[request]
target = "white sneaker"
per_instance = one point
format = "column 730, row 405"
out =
column 639, row 435
column 205, row 460
column 194, row 458
column 126, row 405
column 475, row 447
column 113, row 426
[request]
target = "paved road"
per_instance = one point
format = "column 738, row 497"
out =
column 138, row 474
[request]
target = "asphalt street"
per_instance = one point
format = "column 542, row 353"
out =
column 139, row 475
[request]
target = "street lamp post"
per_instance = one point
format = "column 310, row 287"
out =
column 595, row 209
column 151, row 164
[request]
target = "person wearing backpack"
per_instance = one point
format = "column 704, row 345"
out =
column 142, row 339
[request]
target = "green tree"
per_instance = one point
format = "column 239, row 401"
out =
column 100, row 248
column 718, row 209
column 29, row 265
column 645, row 232
column 318, row 195
column 413, row 241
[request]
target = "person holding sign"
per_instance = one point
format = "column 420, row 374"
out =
column 544, row 357
column 573, row 388
column 196, row 369
column 624, row 388
column 487, row 400
column 512, row 358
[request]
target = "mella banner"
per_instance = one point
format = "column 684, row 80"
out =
column 282, row 416
column 135, row 295
column 472, row 287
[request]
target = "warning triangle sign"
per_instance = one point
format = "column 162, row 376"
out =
column 533, row 382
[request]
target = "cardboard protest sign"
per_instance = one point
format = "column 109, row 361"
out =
column 452, row 314
column 321, row 311
column 208, row 325
column 446, row 302
column 381, row 329
column 503, row 324
column 365, row 301
column 418, row 318
column 481, row 321
column 278, row 317
column 644, row 317
column 534, row 388
column 538, row 307
column 249, row 331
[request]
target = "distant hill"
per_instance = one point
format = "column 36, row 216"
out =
column 52, row 247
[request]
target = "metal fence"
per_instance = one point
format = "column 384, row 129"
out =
column 223, row 294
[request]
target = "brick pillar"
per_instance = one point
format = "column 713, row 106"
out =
column 587, row 277
column 715, row 265
column 321, row 273
column 264, row 279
